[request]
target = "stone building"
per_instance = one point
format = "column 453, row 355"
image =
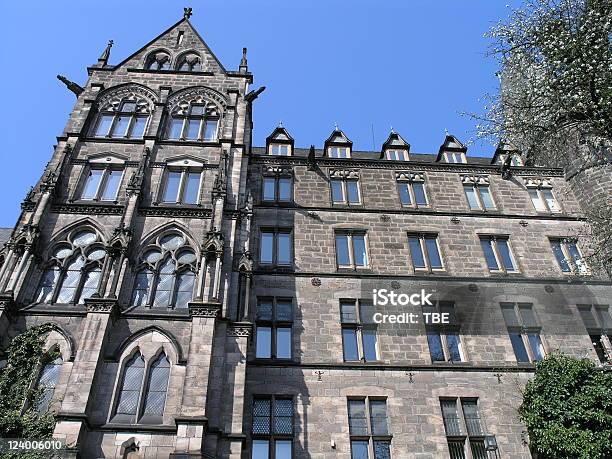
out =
column 210, row 298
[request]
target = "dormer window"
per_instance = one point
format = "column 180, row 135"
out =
column 457, row 157
column 128, row 122
column 279, row 149
column 514, row 160
column 189, row 62
column 197, row 122
column 339, row 152
column 396, row 155
column 158, row 61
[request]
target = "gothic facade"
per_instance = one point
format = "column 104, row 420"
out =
column 211, row 298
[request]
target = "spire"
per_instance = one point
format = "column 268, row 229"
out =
column 187, row 12
column 103, row 59
column 75, row 88
column 244, row 67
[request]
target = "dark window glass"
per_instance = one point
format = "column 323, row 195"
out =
column 378, row 417
column 450, row 415
column 157, row 387
column 284, row 189
column 504, row 252
column 359, row 450
column 419, row 193
column 113, row 178
column 131, row 385
column 47, row 381
column 489, row 254
column 173, row 181
column 418, row 260
column 519, row 347
column 382, row 449
column 432, row 252
column 453, row 342
column 358, row 422
column 342, row 250
column 349, row 344
column 266, row 250
column 404, row 193
column 269, row 191
column 435, row 346
column 369, row 344
column 352, row 191
column 261, row 416
column 536, row 346
column 348, row 312
column 192, row 188
column 359, row 250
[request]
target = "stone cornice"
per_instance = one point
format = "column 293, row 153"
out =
column 88, row 209
column 240, row 329
column 101, row 305
column 191, row 212
column 204, row 309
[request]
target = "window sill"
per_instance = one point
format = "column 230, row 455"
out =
column 138, row 427
column 115, row 140
column 351, row 270
column 205, row 143
column 94, row 202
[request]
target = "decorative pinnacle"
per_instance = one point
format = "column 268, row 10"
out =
column 103, row 59
column 336, row 126
column 187, row 12
column 280, row 124
column 445, row 131
column 243, row 62
column 392, row 130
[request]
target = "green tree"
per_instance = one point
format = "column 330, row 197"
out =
column 567, row 408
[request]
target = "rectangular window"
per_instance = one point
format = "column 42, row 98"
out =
column 396, row 155
column 524, row 331
column 456, row 434
column 568, row 256
column 277, row 189
column 182, row 187
column 340, row 152
column 455, row 157
column 272, row 428
column 274, row 323
column 497, row 253
column 425, row 252
column 479, row 196
column 345, row 191
column 368, row 428
column 276, row 247
column 175, row 128
column 138, row 127
column 543, row 200
column 412, row 194
column 351, row 250
column 598, row 323
column 210, row 129
column 277, row 149
column 104, row 125
column 444, row 341
column 359, row 341
column 101, row 185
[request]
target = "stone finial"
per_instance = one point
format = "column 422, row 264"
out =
column 103, row 59
column 244, row 67
column 187, row 12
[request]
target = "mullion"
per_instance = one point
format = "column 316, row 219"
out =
column 425, row 252
column 102, row 184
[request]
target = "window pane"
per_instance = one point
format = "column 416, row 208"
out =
column 485, row 196
column 139, row 127
column 111, row 186
column 369, row 344
column 283, row 343
column 419, row 193
column 404, row 194
column 192, row 188
column 359, row 250
column 556, row 248
column 165, row 285
column 193, row 129
column 264, row 343
column 284, row 248
column 337, row 192
column 603, row 314
column 264, row 310
column 121, row 126
column 269, row 184
column 471, row 197
column 510, row 315
column 536, row 346
column 519, row 347
column 535, row 199
column 71, row 282
column 504, row 252
column 176, row 126
column 435, row 346
column 184, row 289
column 197, row 110
column 142, row 286
column 487, row 248
column 265, row 252
column 173, row 182
column 47, row 285
column 478, row 449
column 104, row 125
column 378, row 417
column 599, row 347
column 451, row 417
column 576, row 257
column 210, row 130
column 352, row 191
column 157, row 387
column 128, row 107
column 550, row 200
column 90, row 189
column 453, row 341
column 261, row 449
column 261, row 416
column 472, row 417
column 49, row 376
column 348, row 312
column 359, row 450
column 131, row 386
column 435, row 260
column 587, row 317
column 527, row 315
column 284, row 189
column 284, row 310
column 283, row 416
column 382, row 450
column 342, row 250
column 358, row 423
column 349, row 344
column 418, row 260
column 456, row 448
column 90, row 285
column 283, row 449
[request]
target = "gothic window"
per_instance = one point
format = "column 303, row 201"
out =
column 47, row 381
column 568, row 255
column 498, row 254
column 167, row 274
column 411, row 189
column 101, row 184
column 477, row 193
column 194, row 121
column 189, row 62
column 124, row 119
column 143, row 386
column 74, row 269
column 158, row 61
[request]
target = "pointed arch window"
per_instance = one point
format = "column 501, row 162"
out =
column 157, row 388
column 47, row 382
column 189, row 62
column 131, row 388
column 74, row 269
column 124, row 120
column 195, row 121
column 167, row 275
column 158, row 61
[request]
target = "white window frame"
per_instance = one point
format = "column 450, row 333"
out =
column 351, row 249
column 575, row 268
column 345, row 199
column 276, row 149
column 498, row 258
column 422, row 237
column 359, row 325
column 541, row 199
column 180, row 193
column 451, row 157
column 524, row 331
column 103, row 182
column 331, row 151
column 476, row 188
column 395, row 154
column 410, row 187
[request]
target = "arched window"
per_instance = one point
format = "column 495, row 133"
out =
column 47, row 381
column 189, row 62
column 135, row 404
column 130, row 389
column 195, row 121
column 167, row 274
column 158, row 61
column 128, row 120
column 75, row 269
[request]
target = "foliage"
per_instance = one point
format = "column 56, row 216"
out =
column 555, row 100
column 567, row 409
column 18, row 416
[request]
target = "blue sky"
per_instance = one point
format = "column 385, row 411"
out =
column 367, row 65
